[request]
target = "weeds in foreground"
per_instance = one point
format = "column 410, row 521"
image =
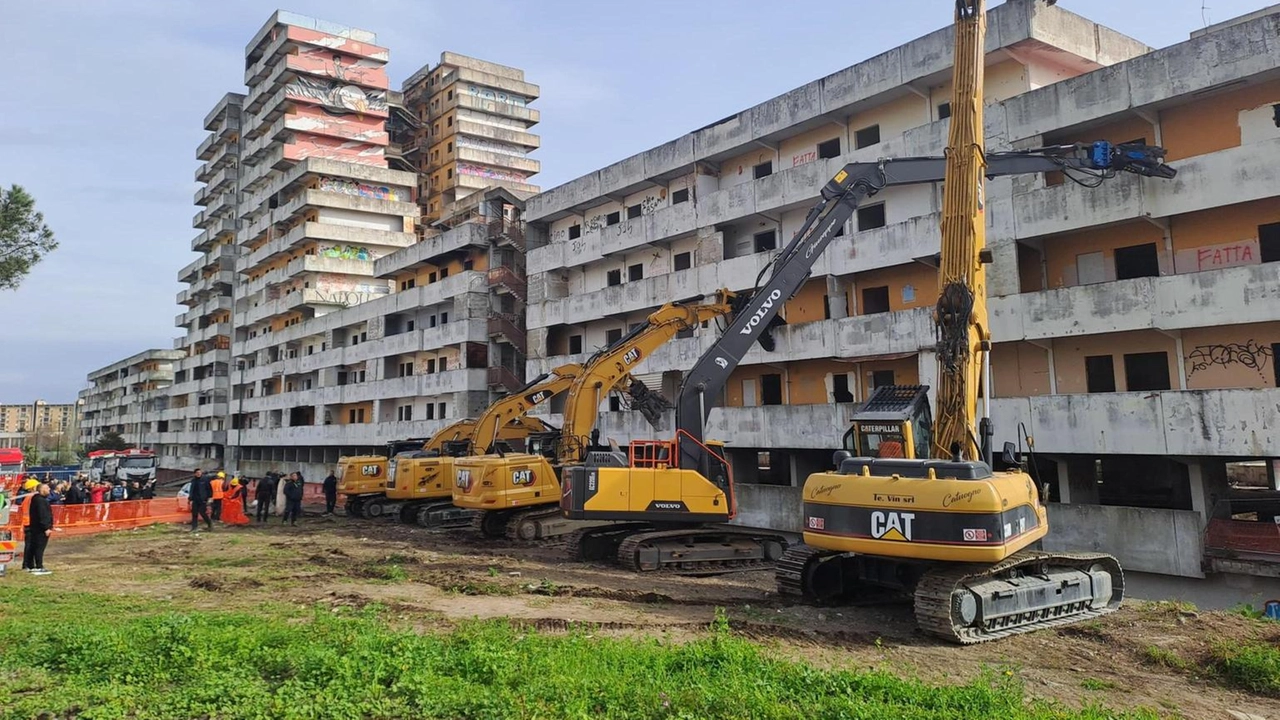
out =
column 1253, row 667
column 351, row 664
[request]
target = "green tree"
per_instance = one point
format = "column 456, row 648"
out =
column 24, row 238
column 110, row 440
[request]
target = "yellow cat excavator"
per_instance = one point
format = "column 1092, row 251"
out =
column 517, row 494
column 422, row 481
column 362, row 479
column 913, row 503
column 914, row 518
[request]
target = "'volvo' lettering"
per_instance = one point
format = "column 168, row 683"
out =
column 764, row 310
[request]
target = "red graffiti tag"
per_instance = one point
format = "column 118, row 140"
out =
column 1223, row 256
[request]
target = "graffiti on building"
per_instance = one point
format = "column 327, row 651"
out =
column 346, row 252
column 337, row 96
column 496, row 96
column 345, row 298
column 1248, row 354
column 332, row 283
column 347, row 40
column 491, row 173
column 492, row 146
column 307, row 146
column 1213, row 257
column 359, row 189
column 804, row 158
column 324, row 61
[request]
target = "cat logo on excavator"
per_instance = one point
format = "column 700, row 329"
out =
column 891, row 525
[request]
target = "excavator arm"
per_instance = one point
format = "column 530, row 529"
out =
column 499, row 415
column 840, row 198
column 611, row 367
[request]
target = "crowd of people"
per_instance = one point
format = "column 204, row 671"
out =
column 209, row 493
column 84, row 491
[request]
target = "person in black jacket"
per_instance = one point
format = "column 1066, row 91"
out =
column 265, row 495
column 201, row 492
column 293, row 499
column 36, row 533
column 330, row 488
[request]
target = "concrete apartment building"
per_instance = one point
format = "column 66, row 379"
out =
column 324, row 318
column 38, row 423
column 131, row 397
column 1136, row 323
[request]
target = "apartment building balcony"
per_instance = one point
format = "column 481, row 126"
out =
column 211, row 281
column 308, row 199
column 493, row 107
column 1227, row 296
column 203, row 385
column 367, row 434
column 201, row 196
column 1170, row 423
column 490, row 80
column 478, row 182
column 190, row 437
column 210, row 332
column 191, row 362
column 212, row 305
column 661, row 226
column 324, row 232
column 307, row 263
column 215, row 229
column 184, row 298
column 507, row 135
column 204, row 172
column 432, row 249
column 204, row 151
column 501, row 160
column 650, row 293
column 397, row 302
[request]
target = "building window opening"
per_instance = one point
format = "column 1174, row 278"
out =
column 1137, row 261
column 635, row 272
column 866, row 137
column 1146, row 371
column 680, row 196
column 612, row 336
column 613, row 277
column 829, row 149
column 575, row 344
column 1269, row 242
column 682, row 261
column 944, row 111
column 771, row 389
column 575, row 232
column 1100, row 374
column 875, row 300
column 633, row 212
column 767, row 240
column 871, row 217
column 613, row 218
column 881, row 378
column 840, row 388
column 763, row 170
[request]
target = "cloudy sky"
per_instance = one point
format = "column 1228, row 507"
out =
column 103, row 100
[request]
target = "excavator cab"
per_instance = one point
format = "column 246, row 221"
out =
column 895, row 422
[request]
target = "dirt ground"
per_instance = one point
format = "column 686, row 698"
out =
column 1145, row 655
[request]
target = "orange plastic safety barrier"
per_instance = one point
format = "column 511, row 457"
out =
column 1243, row 536
column 105, row 517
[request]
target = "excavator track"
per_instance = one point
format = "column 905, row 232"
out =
column 441, row 514
column 529, row 524
column 790, row 571
column 490, row 523
column 998, row 595
column 595, row 544
column 706, row 551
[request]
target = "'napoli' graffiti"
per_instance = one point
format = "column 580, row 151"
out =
column 1249, row 354
column 351, row 187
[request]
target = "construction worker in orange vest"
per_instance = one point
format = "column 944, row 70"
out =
column 219, row 485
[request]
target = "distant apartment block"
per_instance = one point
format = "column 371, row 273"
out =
column 131, row 397
column 1136, row 323
column 326, row 314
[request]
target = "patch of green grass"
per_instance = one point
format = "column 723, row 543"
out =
column 1097, row 684
column 481, row 588
column 394, row 573
column 1253, row 667
column 1157, row 655
column 326, row 664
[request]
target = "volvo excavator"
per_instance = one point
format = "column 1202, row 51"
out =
column 919, row 518
column 422, row 481
column 517, row 494
column 913, row 503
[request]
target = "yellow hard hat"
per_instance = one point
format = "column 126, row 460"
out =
column 30, row 484
column 222, row 475
column 235, row 481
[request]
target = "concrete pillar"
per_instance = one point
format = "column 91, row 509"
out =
column 1273, row 474
column 804, row 464
column 710, row 249
column 1064, row 484
column 1002, row 273
column 1078, row 484
column 1209, row 488
column 837, row 297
